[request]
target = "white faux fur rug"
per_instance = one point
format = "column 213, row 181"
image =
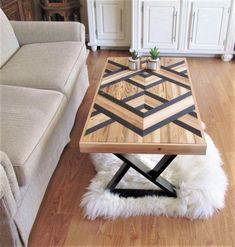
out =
column 201, row 181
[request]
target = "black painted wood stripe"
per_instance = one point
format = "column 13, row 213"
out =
column 110, row 121
column 134, row 96
column 119, row 120
column 167, row 104
column 118, row 80
column 149, row 130
column 129, row 98
column 117, row 64
column 193, row 114
column 174, row 71
column 121, row 103
column 145, row 74
column 154, row 83
column 113, row 72
column 168, row 120
column 135, row 83
column 99, row 126
column 107, row 122
column 175, row 64
column 140, row 107
column 147, row 107
column 171, row 80
column 188, row 127
column 108, row 71
column 94, row 113
column 145, row 86
column 154, row 96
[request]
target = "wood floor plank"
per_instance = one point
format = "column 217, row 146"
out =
column 60, row 221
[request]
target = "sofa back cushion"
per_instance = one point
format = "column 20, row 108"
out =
column 8, row 41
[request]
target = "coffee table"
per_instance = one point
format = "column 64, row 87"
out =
column 145, row 112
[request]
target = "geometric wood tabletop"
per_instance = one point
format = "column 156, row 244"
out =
column 144, row 111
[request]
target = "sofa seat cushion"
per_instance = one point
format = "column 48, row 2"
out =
column 28, row 117
column 8, row 41
column 52, row 66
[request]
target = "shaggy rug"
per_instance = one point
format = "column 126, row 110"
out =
column 200, row 180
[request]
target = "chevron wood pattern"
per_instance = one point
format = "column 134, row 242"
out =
column 144, row 111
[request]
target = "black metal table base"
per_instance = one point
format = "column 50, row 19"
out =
column 153, row 175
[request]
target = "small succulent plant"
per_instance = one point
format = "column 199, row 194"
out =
column 154, row 53
column 135, row 55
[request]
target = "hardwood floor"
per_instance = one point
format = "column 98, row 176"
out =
column 60, row 221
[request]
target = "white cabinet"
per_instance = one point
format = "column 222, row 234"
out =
column 110, row 19
column 176, row 27
column 182, row 26
column 109, row 23
column 160, row 24
column 209, row 22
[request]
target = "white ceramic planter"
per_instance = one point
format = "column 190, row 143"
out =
column 154, row 64
column 134, row 64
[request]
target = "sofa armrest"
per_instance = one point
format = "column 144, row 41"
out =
column 7, row 199
column 8, row 172
column 9, row 193
column 42, row 32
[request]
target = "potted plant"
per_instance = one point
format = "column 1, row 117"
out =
column 134, row 61
column 154, row 60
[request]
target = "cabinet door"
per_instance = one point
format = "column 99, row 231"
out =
column 208, row 27
column 110, row 19
column 160, row 27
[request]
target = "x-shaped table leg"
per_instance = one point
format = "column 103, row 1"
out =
column 153, row 175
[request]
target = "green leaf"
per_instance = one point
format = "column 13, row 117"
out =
column 135, row 55
column 154, row 53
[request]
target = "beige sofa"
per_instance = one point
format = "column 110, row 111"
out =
column 43, row 79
